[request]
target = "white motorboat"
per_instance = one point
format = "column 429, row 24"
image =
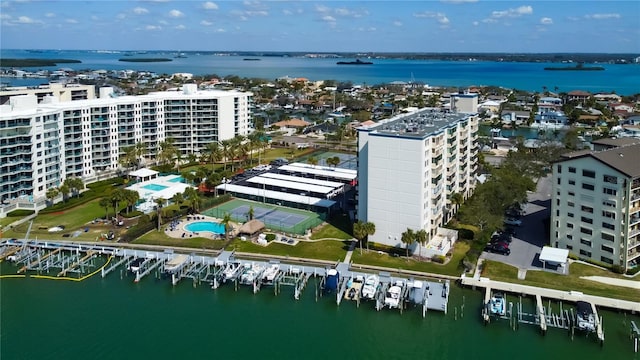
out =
column 135, row 264
column 270, row 273
column 231, row 271
column 252, row 271
column 392, row 297
column 585, row 319
column 497, row 305
column 370, row 286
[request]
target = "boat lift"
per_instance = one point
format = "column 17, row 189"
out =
column 635, row 335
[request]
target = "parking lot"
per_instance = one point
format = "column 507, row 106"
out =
column 532, row 234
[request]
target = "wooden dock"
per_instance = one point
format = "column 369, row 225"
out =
column 571, row 296
column 8, row 252
column 35, row 262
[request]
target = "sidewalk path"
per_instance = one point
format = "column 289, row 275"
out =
column 347, row 257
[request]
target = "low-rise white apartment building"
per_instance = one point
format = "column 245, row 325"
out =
column 408, row 168
column 43, row 144
column 62, row 92
column 595, row 209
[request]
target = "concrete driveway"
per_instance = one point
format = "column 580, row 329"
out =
column 532, row 234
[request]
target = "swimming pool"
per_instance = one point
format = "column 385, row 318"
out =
column 209, row 226
column 154, row 187
column 176, row 179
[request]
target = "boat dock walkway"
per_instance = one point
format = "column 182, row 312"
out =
column 571, row 296
column 79, row 258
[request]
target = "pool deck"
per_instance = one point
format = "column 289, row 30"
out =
column 180, row 228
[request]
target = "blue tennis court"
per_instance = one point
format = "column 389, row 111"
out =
column 269, row 216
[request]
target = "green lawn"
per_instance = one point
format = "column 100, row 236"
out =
column 503, row 272
column 328, row 231
column 324, row 250
column 8, row 220
column 385, row 260
column 159, row 238
column 73, row 219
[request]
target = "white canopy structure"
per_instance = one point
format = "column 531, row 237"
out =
column 554, row 256
column 144, row 174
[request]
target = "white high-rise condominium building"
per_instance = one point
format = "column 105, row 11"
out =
column 408, row 168
column 43, row 144
column 595, row 208
column 62, row 92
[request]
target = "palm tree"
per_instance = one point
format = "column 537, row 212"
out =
column 167, row 151
column 408, row 237
column 456, row 199
column 213, row 153
column 64, row 190
column 131, row 198
column 51, row 194
column 105, row 202
column 139, row 151
column 422, row 237
column 227, row 152
column 360, row 232
column 226, row 220
column 160, row 203
column 312, row 160
column 251, row 213
column 117, row 196
column 194, row 199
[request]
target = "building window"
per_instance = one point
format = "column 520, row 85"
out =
column 608, row 226
column 559, row 169
column 588, row 186
column 570, row 215
column 607, row 249
column 586, row 220
column 587, row 209
column 589, row 173
column 572, row 182
column 610, row 179
column 609, row 191
column 586, row 231
column 585, row 242
column 571, row 193
column 569, row 237
column 607, row 237
column 608, row 214
column 606, row 260
column 559, row 181
column 570, row 225
column 609, row 203
column 569, row 247
column 585, row 253
column 572, row 169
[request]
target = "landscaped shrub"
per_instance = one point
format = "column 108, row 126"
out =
column 465, row 234
column 270, row 237
column 20, row 213
column 132, row 214
column 438, row 259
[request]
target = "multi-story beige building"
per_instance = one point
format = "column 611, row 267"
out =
column 43, row 144
column 62, row 92
column 595, row 209
column 408, row 168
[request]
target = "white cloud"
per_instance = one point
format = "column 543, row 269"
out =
column 140, row 11
column 163, row 22
column 50, row 15
column 71, row 21
column 458, row 1
column 603, row 16
column 489, row 21
column 94, row 18
column 210, row 6
column 328, row 18
column 221, row 30
column 546, row 21
column 397, row 23
column 121, row 16
column 180, row 27
column 27, row 20
column 206, row 23
column 475, row 23
column 517, row 12
column 176, row 13
column 256, row 13
column 440, row 17
column 153, row 27
column 287, row 12
column 5, row 17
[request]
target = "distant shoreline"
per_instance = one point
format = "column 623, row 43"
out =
column 36, row 62
column 143, row 60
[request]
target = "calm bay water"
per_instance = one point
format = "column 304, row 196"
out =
column 623, row 79
column 116, row 318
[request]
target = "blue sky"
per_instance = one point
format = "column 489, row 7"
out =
column 324, row 26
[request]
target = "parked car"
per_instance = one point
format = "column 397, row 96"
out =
column 512, row 221
column 498, row 248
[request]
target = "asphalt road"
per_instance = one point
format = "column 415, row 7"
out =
column 532, row 234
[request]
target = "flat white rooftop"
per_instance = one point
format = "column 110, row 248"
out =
column 554, row 255
column 303, row 180
column 321, row 171
column 277, row 195
column 291, row 185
